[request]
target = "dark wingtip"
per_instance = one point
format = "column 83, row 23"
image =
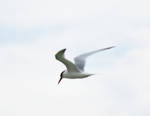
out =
column 112, row 47
column 63, row 50
column 59, row 53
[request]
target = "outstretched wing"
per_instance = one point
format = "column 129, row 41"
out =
column 81, row 59
column 70, row 66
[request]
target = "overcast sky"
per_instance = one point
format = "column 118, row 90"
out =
column 32, row 31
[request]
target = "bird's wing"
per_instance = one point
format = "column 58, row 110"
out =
column 70, row 66
column 81, row 59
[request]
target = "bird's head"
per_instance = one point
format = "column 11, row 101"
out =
column 61, row 76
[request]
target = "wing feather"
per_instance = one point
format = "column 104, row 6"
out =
column 81, row 59
column 69, row 65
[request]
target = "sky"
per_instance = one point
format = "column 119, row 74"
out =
column 33, row 31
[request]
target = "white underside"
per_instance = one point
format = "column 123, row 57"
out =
column 75, row 75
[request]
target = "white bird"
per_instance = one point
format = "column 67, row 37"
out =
column 75, row 71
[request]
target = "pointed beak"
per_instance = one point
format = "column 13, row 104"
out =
column 59, row 80
column 61, row 76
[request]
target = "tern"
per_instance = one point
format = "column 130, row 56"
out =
column 75, row 70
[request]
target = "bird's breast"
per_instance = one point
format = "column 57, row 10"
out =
column 76, row 75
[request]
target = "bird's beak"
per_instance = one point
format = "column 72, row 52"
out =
column 60, row 79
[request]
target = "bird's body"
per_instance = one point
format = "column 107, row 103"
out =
column 75, row 75
column 75, row 71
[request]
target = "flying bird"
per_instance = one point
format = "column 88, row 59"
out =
column 75, row 70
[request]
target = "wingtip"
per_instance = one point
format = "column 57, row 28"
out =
column 60, row 53
column 111, row 47
column 63, row 50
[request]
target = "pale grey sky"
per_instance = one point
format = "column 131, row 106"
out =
column 32, row 31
